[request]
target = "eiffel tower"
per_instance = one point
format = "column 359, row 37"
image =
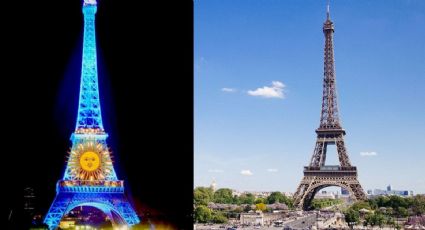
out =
column 330, row 132
column 90, row 178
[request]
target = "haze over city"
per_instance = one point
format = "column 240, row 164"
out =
column 258, row 73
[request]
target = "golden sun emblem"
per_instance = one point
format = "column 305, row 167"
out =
column 90, row 161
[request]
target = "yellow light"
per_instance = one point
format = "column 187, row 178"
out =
column 89, row 161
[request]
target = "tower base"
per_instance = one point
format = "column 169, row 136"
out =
column 317, row 178
column 110, row 200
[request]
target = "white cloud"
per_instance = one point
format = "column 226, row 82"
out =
column 228, row 90
column 272, row 170
column 368, row 154
column 246, row 172
column 275, row 91
column 215, row 170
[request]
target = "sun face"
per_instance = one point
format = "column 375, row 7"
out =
column 90, row 161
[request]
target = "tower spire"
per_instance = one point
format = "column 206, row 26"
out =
column 329, row 116
column 89, row 115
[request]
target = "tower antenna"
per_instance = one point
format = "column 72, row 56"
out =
column 327, row 10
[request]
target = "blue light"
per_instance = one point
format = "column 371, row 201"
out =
column 89, row 114
column 104, row 192
column 107, row 202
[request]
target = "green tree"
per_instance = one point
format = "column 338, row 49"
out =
column 382, row 201
column 397, row 201
column 360, row 205
column 418, row 205
column 246, row 199
column 379, row 219
column 202, row 214
column 290, row 202
column 391, row 222
column 402, row 212
column 278, row 197
column 389, row 211
column 218, row 217
column 260, row 200
column 223, row 196
column 352, row 216
column 261, row 207
column 275, row 197
column 374, row 219
column 202, row 195
column 369, row 220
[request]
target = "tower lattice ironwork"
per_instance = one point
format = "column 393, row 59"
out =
column 330, row 132
column 89, row 178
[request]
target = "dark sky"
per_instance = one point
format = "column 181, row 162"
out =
column 145, row 54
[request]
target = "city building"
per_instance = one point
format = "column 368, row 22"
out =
column 389, row 191
column 324, row 195
column 257, row 194
column 252, row 218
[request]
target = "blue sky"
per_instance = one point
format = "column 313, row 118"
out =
column 258, row 71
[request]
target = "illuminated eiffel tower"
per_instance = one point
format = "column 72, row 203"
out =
column 330, row 132
column 90, row 178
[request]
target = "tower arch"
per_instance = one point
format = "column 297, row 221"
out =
column 108, row 209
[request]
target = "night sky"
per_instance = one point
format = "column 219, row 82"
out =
column 145, row 65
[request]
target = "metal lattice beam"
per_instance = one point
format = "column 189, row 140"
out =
column 89, row 114
column 329, row 117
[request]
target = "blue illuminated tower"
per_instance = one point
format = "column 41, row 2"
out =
column 90, row 178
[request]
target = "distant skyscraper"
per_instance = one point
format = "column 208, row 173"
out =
column 389, row 191
column 344, row 191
